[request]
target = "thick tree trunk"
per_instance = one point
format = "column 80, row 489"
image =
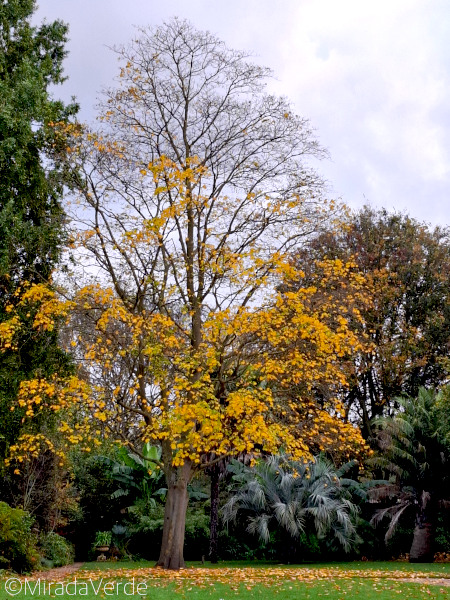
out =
column 214, row 518
column 171, row 555
column 422, row 548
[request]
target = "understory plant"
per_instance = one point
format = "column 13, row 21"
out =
column 414, row 457
column 56, row 549
column 17, row 541
column 102, row 538
column 297, row 498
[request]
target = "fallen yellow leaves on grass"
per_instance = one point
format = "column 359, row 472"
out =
column 246, row 576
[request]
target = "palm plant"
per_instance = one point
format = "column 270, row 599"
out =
column 414, row 456
column 139, row 479
column 278, row 492
column 137, row 476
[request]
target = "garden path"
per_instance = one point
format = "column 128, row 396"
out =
column 59, row 572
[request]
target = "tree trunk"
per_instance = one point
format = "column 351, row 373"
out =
column 214, row 518
column 423, row 541
column 171, row 555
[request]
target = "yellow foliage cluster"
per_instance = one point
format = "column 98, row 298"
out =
column 71, row 400
column 243, row 383
column 260, row 414
column 8, row 330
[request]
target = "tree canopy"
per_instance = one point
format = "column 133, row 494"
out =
column 406, row 266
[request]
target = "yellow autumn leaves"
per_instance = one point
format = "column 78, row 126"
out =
column 208, row 375
column 293, row 346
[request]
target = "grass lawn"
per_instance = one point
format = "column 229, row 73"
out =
column 244, row 580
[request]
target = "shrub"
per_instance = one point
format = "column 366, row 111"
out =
column 17, row 542
column 56, row 549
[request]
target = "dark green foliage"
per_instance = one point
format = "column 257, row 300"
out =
column 138, row 477
column 123, row 491
column 31, row 184
column 17, row 542
column 144, row 518
column 97, row 510
column 414, row 456
column 31, row 188
column 144, row 532
column 56, row 549
column 443, row 532
column 118, row 491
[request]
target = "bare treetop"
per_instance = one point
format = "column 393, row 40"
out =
column 247, row 195
column 182, row 93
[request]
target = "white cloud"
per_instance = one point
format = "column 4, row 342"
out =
column 372, row 76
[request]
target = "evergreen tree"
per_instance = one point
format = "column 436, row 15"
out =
column 31, row 188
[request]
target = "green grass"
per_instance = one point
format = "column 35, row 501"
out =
column 321, row 590
column 339, row 581
column 348, row 590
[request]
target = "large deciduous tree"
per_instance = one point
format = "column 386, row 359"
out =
column 191, row 197
column 31, row 186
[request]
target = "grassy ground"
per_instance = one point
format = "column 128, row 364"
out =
column 244, row 581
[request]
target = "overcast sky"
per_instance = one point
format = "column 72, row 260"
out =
column 373, row 78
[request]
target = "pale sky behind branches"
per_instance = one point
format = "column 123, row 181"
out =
column 373, row 78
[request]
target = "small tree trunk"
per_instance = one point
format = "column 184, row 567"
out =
column 423, row 541
column 171, row 555
column 214, row 518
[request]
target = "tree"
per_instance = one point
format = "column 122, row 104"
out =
column 190, row 199
column 296, row 496
column 407, row 270
column 415, row 452
column 31, row 186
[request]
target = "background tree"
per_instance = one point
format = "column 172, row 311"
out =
column 407, row 270
column 31, row 216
